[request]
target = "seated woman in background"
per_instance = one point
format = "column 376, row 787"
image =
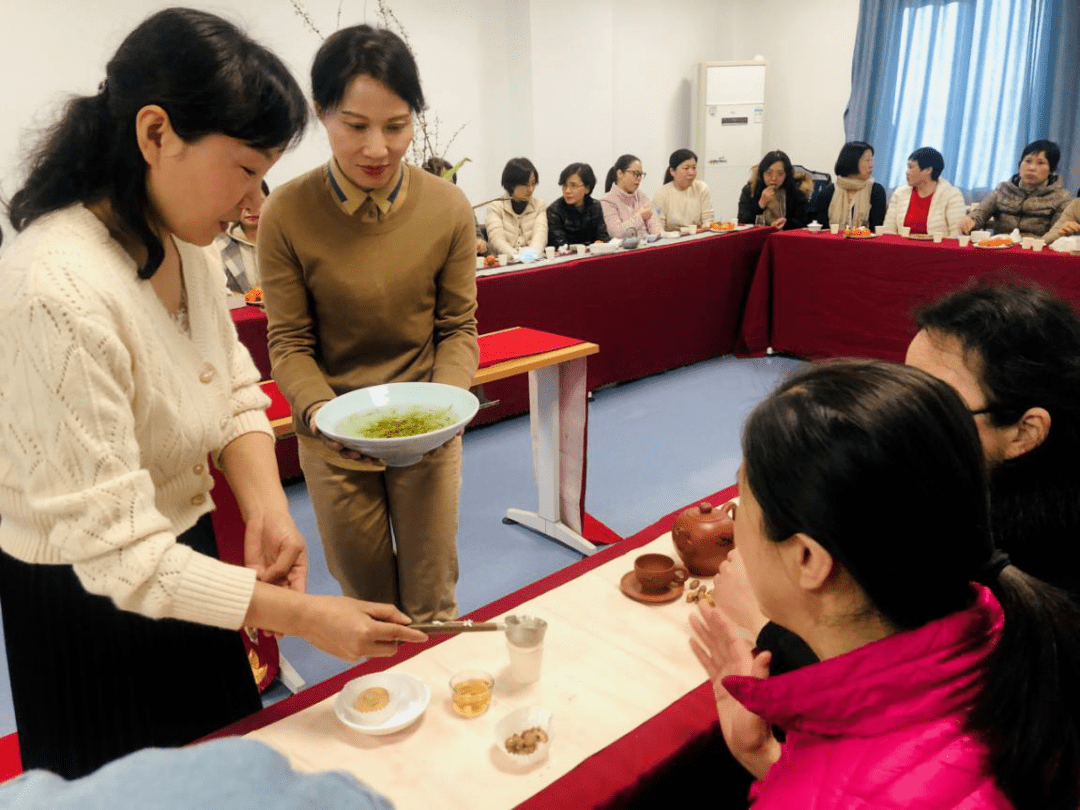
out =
column 1067, row 224
column 775, row 195
column 955, row 691
column 439, row 167
column 683, row 200
column 626, row 206
column 854, row 200
column 518, row 220
column 576, row 218
column 928, row 203
column 236, row 246
column 1031, row 201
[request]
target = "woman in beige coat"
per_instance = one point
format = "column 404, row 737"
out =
column 518, row 220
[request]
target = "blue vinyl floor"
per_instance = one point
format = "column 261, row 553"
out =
column 654, row 445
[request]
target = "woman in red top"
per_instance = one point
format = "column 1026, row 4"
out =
column 928, row 203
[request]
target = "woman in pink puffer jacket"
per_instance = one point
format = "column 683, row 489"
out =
column 863, row 528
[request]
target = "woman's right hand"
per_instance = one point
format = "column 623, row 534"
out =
column 967, row 224
column 645, row 212
column 766, row 197
column 722, row 651
column 734, row 596
column 351, row 629
column 1069, row 228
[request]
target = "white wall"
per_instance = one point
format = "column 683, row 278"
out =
column 555, row 80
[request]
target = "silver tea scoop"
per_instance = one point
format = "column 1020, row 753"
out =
column 525, row 631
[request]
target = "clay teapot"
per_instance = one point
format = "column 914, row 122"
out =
column 630, row 238
column 703, row 537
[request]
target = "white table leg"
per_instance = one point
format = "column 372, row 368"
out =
column 544, row 389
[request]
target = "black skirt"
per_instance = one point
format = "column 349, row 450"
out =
column 92, row 683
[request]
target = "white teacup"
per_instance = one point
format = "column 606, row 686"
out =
column 814, row 227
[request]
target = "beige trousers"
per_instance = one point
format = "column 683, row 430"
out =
column 391, row 535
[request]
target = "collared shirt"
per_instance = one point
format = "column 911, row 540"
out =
column 238, row 259
column 373, row 205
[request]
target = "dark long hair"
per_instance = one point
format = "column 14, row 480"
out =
column 847, row 162
column 1025, row 345
column 842, row 450
column 204, row 72
column 789, row 187
column 621, row 165
column 678, row 157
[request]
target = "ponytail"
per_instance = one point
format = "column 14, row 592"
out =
column 87, row 157
column 621, row 165
column 1028, row 710
column 609, row 181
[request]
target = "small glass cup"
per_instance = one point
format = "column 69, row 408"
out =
column 471, row 692
column 759, row 220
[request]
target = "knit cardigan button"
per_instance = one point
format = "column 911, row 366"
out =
column 198, row 500
column 207, row 374
column 199, row 469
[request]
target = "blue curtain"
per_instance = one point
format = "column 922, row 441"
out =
column 975, row 79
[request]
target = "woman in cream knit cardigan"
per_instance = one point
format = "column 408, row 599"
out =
column 518, row 220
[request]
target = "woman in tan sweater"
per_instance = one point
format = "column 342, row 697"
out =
column 369, row 277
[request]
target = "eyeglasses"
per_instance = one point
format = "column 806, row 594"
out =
column 573, row 186
column 638, row 175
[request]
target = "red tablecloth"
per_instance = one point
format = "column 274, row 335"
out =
column 649, row 310
column 609, row 776
column 819, row 295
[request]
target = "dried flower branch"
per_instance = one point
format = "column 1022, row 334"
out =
column 302, row 13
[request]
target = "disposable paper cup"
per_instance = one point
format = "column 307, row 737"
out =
column 879, row 230
column 479, row 262
column 549, row 251
column 963, row 240
column 1037, row 245
column 834, row 227
column 905, row 231
column 579, row 250
column 503, row 259
column 938, row 237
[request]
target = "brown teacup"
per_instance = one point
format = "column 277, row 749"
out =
column 655, row 572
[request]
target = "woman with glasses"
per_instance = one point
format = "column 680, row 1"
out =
column 626, row 208
column 518, row 220
column 683, row 200
column 576, row 218
column 775, row 195
column 946, row 676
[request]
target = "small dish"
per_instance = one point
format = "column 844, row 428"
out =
column 409, row 697
column 920, row 237
column 630, row 587
column 521, row 720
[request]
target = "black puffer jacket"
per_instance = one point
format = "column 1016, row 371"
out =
column 569, row 226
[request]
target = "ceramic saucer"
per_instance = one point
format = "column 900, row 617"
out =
column 630, row 586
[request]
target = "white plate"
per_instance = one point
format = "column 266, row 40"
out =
column 992, row 247
column 410, row 697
